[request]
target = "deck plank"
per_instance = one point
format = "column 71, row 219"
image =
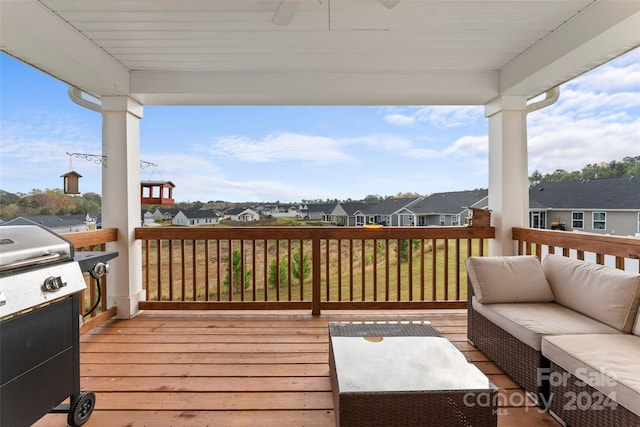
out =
column 243, row 368
column 206, row 384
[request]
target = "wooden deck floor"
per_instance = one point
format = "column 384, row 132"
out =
column 265, row 369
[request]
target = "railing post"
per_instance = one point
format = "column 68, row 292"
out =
column 315, row 262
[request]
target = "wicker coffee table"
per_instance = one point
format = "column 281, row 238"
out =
column 405, row 374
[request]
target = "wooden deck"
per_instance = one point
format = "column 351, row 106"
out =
column 267, row 369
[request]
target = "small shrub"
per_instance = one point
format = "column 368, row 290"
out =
column 277, row 274
column 300, row 268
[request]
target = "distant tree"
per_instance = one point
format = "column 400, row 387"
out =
column 372, row 198
column 629, row 166
column 87, row 203
column 64, row 211
column 403, row 247
column 236, row 268
column 277, row 273
column 591, row 171
column 407, row 195
column 10, row 211
column 300, row 268
column 632, row 166
column 7, row 198
column 535, row 178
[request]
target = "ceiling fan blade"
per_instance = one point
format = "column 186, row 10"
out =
column 389, row 4
column 285, row 12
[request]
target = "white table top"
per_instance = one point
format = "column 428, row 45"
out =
column 379, row 364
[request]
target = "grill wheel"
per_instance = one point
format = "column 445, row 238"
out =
column 81, row 409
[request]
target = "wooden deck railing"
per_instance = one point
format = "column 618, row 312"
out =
column 325, row 267
column 615, row 251
column 94, row 241
column 307, row 267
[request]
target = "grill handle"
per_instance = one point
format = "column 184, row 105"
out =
column 31, row 261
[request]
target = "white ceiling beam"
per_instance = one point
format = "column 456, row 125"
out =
column 336, row 88
column 602, row 32
column 33, row 34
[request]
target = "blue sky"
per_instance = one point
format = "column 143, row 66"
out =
column 292, row 153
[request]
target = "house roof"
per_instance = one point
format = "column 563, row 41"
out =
column 200, row 213
column 608, row 193
column 171, row 211
column 452, row 202
column 321, row 207
column 388, row 206
column 238, row 211
column 350, row 208
column 234, row 211
column 310, row 52
column 52, row 221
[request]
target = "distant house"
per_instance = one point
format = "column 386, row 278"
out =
column 148, row 218
column 282, row 211
column 604, row 206
column 385, row 212
column 195, row 217
column 60, row 223
column 290, row 210
column 344, row 213
column 317, row 211
column 241, row 215
column 443, row 209
column 165, row 214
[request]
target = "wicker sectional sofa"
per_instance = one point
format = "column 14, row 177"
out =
column 566, row 330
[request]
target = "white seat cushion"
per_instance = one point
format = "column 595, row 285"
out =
column 529, row 322
column 609, row 363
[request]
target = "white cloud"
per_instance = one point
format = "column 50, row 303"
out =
column 199, row 178
column 581, row 103
column 469, row 146
column 399, row 119
column 34, row 146
column 621, row 75
column 466, row 146
column 563, row 143
column 450, row 115
column 425, row 153
column 382, row 142
column 282, row 146
column 595, row 119
column 447, row 116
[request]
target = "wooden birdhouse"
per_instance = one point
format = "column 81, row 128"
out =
column 70, row 184
column 157, row 192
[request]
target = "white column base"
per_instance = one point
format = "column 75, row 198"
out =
column 127, row 305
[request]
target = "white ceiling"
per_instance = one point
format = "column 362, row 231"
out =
column 331, row 52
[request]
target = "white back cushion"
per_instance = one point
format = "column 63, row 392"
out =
column 604, row 293
column 508, row 279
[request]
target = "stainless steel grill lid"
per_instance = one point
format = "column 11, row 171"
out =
column 29, row 245
column 36, row 267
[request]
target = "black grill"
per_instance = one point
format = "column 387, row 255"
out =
column 40, row 283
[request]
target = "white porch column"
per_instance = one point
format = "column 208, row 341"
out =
column 121, row 200
column 508, row 172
